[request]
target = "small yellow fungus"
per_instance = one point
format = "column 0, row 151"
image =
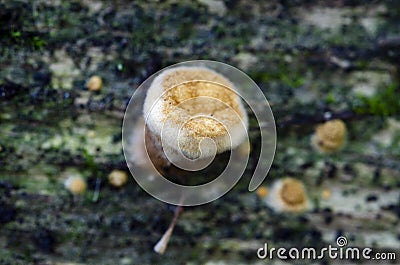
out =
column 95, row 83
column 75, row 184
column 91, row 133
column 288, row 195
column 330, row 136
column 117, row 178
column 262, row 192
column 326, row 194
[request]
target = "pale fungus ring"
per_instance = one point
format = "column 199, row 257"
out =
column 330, row 136
column 288, row 195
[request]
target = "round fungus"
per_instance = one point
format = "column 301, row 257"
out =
column 262, row 192
column 94, row 83
column 75, row 184
column 187, row 104
column 117, row 178
column 288, row 195
column 330, row 136
column 326, row 194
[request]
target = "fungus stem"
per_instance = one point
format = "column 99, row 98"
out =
column 161, row 245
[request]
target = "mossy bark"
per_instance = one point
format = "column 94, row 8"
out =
column 311, row 58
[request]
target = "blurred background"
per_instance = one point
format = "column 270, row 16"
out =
column 68, row 69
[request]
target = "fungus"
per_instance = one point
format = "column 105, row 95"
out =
column 95, row 83
column 75, row 184
column 161, row 245
column 177, row 95
column 117, row 178
column 262, row 192
column 329, row 137
column 245, row 148
column 148, row 147
column 183, row 106
column 91, row 134
column 326, row 194
column 288, row 195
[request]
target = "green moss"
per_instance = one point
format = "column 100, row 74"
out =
column 384, row 103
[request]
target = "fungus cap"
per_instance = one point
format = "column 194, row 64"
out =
column 326, row 194
column 94, row 83
column 140, row 151
column 262, row 192
column 117, row 178
column 188, row 104
column 288, row 195
column 329, row 136
column 75, row 184
column 245, row 148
